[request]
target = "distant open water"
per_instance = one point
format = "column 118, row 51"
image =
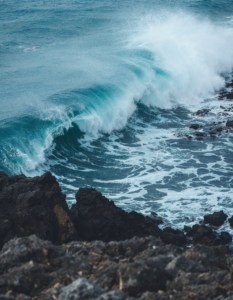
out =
column 94, row 92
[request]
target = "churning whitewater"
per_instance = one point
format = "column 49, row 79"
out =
column 99, row 92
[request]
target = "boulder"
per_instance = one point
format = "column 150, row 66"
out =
column 97, row 218
column 34, row 206
column 231, row 221
column 194, row 126
column 229, row 123
column 215, row 219
column 100, row 219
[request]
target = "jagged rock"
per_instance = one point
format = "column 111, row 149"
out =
column 181, row 263
column 134, row 278
column 194, row 126
column 200, row 134
column 83, row 289
column 175, row 237
column 231, row 221
column 223, row 238
column 34, row 206
column 212, row 133
column 97, row 218
column 158, row 220
column 202, row 112
column 215, row 219
column 80, row 289
column 201, row 234
column 229, row 123
column 100, row 219
column 139, row 267
column 3, row 179
column 19, row 251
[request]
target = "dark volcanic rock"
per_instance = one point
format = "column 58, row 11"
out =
column 141, row 267
column 200, row 134
column 3, row 179
column 202, row 112
column 34, row 206
column 175, row 237
column 158, row 220
column 223, row 238
column 229, row 123
column 206, row 236
column 203, row 235
column 95, row 217
column 100, row 219
column 134, row 278
column 231, row 221
column 215, row 219
column 194, row 126
column 212, row 133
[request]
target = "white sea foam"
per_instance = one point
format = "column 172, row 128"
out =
column 164, row 60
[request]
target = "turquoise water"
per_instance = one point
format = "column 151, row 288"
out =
column 94, row 92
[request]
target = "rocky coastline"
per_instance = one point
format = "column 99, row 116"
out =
column 96, row 250
column 223, row 126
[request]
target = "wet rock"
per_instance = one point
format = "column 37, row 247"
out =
column 231, row 221
column 158, row 220
column 202, row 112
column 200, row 134
column 194, row 126
column 215, row 219
column 175, row 237
column 203, row 235
column 100, row 219
column 223, row 238
column 188, row 230
column 34, row 206
column 229, row 84
column 229, row 96
column 229, row 123
column 3, row 179
column 212, row 133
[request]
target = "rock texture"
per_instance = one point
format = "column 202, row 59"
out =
column 34, row 206
column 96, row 250
column 95, row 217
column 139, row 268
column 215, row 219
column 204, row 235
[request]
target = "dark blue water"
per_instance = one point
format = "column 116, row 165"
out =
column 94, row 92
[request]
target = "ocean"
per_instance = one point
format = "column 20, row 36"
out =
column 102, row 93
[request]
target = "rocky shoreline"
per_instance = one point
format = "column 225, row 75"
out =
column 217, row 128
column 96, row 250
